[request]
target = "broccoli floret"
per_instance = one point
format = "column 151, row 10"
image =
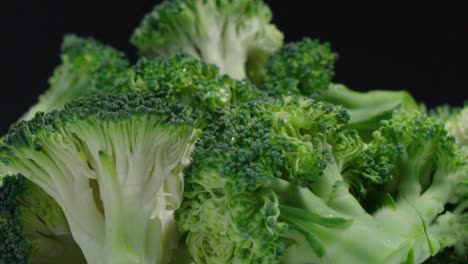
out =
column 451, row 227
column 455, row 121
column 272, row 182
column 424, row 147
column 429, row 174
column 236, row 35
column 198, row 84
column 33, row 228
column 114, row 163
column 306, row 68
column 186, row 80
column 363, row 166
column 85, row 62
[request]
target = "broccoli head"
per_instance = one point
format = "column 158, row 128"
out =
column 33, row 228
column 114, row 164
column 184, row 79
column 305, row 67
column 277, row 181
column 85, row 62
column 236, row 36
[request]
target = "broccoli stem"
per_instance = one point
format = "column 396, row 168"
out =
column 413, row 215
column 76, row 200
column 223, row 48
column 324, row 235
column 366, row 110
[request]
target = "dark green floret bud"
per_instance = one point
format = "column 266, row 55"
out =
column 307, row 65
column 188, row 81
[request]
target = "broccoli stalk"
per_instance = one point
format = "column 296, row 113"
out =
column 367, row 109
column 450, row 226
column 236, row 36
column 428, row 170
column 275, row 182
column 81, row 59
column 114, row 164
column 33, row 227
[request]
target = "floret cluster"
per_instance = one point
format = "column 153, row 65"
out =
column 222, row 144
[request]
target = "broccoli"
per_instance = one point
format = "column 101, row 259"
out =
column 272, row 182
column 455, row 121
column 451, row 228
column 367, row 109
column 33, row 228
column 236, row 35
column 114, row 163
column 186, row 80
column 306, row 68
column 81, row 59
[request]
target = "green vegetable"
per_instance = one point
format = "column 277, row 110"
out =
column 33, row 228
column 235, row 35
column 114, row 164
column 266, row 186
column 76, row 76
column 221, row 145
column 186, row 80
column 306, row 68
column 455, row 121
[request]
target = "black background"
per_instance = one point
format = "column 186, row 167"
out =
column 417, row 45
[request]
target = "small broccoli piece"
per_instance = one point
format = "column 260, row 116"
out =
column 33, row 228
column 236, row 35
column 457, row 126
column 269, row 184
column 82, row 59
column 306, row 68
column 114, row 163
column 198, row 84
column 451, row 227
column 186, row 80
column 363, row 166
column 308, row 65
column 274, row 181
column 425, row 150
column 428, row 175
